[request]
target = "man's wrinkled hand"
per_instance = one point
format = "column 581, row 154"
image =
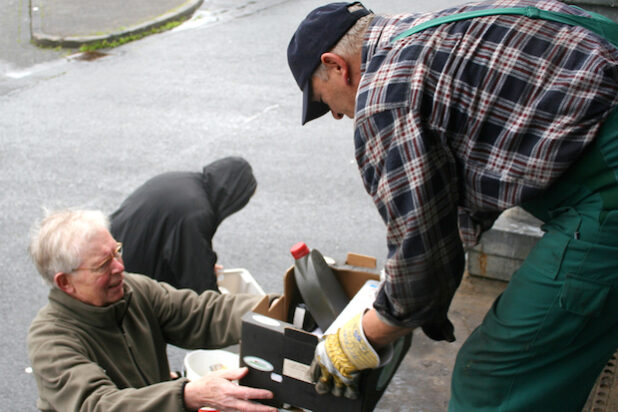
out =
column 217, row 390
column 340, row 357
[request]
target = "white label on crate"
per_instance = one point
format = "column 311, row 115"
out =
column 258, row 363
column 265, row 320
column 296, row 370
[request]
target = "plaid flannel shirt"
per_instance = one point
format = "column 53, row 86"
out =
column 458, row 122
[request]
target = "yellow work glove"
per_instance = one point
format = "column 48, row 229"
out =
column 339, row 357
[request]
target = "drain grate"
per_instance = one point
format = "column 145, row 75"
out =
column 604, row 394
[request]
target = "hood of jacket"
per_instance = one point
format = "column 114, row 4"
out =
column 229, row 184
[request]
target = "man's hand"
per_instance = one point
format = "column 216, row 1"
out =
column 339, row 358
column 216, row 390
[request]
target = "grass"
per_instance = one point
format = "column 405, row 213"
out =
column 105, row 44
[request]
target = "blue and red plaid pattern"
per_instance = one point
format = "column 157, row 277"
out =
column 459, row 122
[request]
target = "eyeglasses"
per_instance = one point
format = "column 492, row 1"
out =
column 105, row 266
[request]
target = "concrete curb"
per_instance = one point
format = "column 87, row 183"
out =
column 46, row 40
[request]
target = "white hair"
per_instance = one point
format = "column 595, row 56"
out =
column 348, row 45
column 58, row 240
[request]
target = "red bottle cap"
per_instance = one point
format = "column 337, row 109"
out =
column 299, row 250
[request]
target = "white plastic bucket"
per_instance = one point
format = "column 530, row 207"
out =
column 202, row 362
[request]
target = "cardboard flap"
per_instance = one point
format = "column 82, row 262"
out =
column 276, row 310
column 300, row 345
column 301, row 336
column 352, row 280
column 363, row 261
column 262, row 306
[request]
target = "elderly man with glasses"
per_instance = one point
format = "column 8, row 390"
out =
column 100, row 342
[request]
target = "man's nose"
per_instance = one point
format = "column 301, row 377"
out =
column 117, row 265
column 337, row 116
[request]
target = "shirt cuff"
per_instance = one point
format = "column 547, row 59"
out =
column 182, row 394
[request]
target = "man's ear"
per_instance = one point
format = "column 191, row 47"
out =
column 335, row 62
column 63, row 282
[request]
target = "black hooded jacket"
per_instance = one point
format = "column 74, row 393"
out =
column 167, row 224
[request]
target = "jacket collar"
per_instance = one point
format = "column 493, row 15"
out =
column 97, row 316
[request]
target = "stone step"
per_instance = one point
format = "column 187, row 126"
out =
column 504, row 247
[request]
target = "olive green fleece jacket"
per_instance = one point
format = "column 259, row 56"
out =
column 113, row 358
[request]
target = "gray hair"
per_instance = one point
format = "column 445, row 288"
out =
column 348, row 45
column 58, row 240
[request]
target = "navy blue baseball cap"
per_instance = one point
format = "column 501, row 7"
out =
column 317, row 34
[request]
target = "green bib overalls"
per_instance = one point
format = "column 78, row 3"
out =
column 548, row 336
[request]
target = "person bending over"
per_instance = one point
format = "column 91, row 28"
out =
column 454, row 122
column 167, row 224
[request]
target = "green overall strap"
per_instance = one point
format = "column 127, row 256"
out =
column 598, row 24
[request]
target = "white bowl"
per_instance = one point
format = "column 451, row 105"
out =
column 202, row 362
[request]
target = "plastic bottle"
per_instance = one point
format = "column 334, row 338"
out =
column 318, row 286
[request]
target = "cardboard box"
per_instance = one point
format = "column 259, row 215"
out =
column 279, row 354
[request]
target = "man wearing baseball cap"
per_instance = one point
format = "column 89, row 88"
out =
column 493, row 105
